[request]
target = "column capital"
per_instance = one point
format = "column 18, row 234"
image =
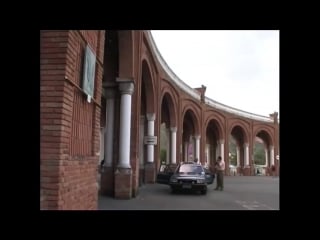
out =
column 246, row 144
column 151, row 116
column 271, row 147
column 221, row 141
column 126, row 86
column 197, row 137
column 173, row 129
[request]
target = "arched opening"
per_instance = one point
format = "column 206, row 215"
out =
column 262, row 153
column 168, row 121
column 212, row 142
column 238, row 144
column 147, row 108
column 190, row 137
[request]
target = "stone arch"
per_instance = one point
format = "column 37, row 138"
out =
column 147, row 86
column 168, row 101
column 219, row 125
column 191, row 111
column 265, row 134
column 244, row 129
column 213, row 133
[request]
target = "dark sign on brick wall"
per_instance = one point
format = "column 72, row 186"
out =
column 89, row 71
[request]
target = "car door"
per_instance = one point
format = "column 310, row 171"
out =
column 164, row 174
column 209, row 176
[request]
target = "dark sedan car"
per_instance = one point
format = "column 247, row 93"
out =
column 187, row 175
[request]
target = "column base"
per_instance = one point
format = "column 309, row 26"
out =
column 150, row 174
column 247, row 171
column 107, row 182
column 123, row 183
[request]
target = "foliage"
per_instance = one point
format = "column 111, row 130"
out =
column 163, row 155
column 233, row 151
column 259, row 154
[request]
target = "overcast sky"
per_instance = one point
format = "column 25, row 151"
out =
column 239, row 68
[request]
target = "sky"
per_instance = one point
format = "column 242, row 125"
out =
column 239, row 68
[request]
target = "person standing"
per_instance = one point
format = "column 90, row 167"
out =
column 219, row 166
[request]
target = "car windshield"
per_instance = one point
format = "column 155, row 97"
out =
column 190, row 169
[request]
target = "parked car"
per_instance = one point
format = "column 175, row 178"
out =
column 165, row 172
column 187, row 175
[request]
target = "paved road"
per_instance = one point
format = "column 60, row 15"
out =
column 240, row 193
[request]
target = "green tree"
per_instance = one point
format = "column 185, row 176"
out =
column 163, row 155
column 163, row 143
column 233, row 151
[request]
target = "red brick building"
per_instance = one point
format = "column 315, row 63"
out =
column 132, row 92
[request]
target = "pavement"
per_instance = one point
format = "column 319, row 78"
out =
column 240, row 193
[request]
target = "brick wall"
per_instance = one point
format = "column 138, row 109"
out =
column 69, row 124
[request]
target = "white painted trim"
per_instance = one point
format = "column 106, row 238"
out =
column 194, row 93
column 236, row 111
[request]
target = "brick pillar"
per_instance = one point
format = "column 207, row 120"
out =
column 107, row 181
column 123, row 183
column 150, row 173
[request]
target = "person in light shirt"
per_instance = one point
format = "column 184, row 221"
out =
column 219, row 166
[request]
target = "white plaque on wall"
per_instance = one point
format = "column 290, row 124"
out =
column 89, row 71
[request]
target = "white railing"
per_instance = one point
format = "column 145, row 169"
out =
column 194, row 93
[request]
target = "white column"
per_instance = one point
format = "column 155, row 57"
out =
column 222, row 149
column 266, row 156
column 108, row 144
column 126, row 89
column 168, row 145
column 238, row 156
column 197, row 156
column 272, row 155
column 246, row 154
column 173, row 144
column 141, row 145
column 186, row 146
column 150, row 148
